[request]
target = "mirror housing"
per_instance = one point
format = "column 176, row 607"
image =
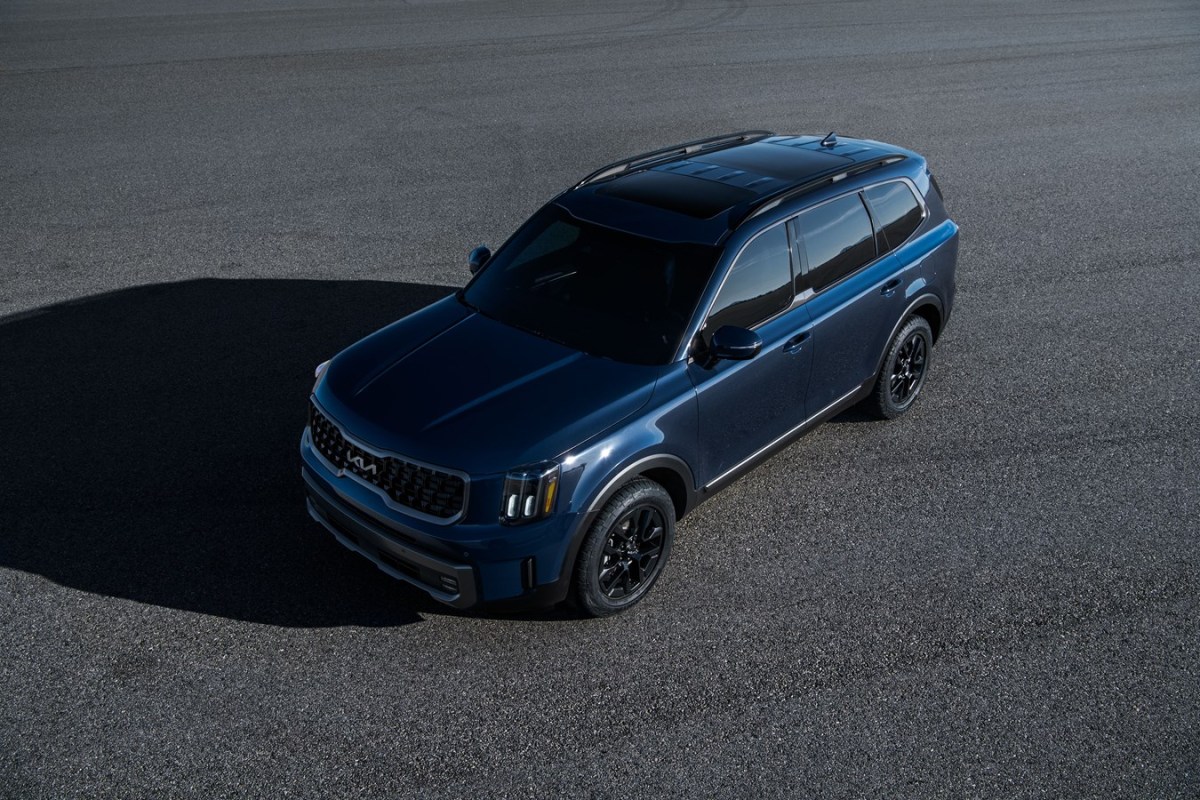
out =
column 479, row 256
column 735, row 344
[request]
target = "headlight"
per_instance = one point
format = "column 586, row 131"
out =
column 319, row 373
column 529, row 492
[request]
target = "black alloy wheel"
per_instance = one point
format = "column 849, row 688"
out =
column 632, row 552
column 904, row 369
column 625, row 549
column 908, row 369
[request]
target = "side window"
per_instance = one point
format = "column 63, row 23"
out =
column 896, row 211
column 759, row 283
column 838, row 239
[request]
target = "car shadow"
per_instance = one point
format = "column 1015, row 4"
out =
column 150, row 448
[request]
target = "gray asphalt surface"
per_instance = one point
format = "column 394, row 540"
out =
column 995, row 596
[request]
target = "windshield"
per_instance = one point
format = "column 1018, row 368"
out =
column 594, row 289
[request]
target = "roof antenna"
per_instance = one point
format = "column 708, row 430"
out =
column 830, row 140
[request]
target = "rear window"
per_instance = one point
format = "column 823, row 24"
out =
column 896, row 211
column 837, row 239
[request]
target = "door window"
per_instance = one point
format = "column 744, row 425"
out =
column 759, row 284
column 837, row 238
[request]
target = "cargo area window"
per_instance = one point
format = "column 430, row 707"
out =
column 896, row 211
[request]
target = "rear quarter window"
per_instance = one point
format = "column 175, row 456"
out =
column 896, row 210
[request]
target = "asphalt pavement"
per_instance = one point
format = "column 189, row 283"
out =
column 995, row 596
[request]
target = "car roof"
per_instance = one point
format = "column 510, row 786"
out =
column 699, row 192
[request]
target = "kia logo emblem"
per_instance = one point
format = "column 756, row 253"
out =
column 362, row 464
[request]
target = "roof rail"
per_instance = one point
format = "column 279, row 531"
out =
column 674, row 151
column 767, row 202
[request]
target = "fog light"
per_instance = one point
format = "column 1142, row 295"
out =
column 530, row 492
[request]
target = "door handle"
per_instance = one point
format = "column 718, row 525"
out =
column 796, row 343
column 889, row 288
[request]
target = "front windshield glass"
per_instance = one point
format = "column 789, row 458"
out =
column 594, row 289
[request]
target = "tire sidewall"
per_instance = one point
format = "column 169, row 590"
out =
column 587, row 583
column 886, row 406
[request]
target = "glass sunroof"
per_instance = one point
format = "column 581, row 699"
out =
column 766, row 158
column 696, row 197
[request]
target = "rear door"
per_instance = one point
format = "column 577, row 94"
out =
column 745, row 405
column 854, row 295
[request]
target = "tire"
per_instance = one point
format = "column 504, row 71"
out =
column 904, row 369
column 625, row 550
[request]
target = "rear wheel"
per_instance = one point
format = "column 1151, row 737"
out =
column 904, row 369
column 625, row 549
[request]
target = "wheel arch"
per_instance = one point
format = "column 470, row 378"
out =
column 668, row 471
column 932, row 315
column 926, row 305
column 674, row 483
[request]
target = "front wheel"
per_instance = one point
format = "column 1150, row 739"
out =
column 625, row 549
column 904, row 369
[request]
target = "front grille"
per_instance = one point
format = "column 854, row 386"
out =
column 424, row 489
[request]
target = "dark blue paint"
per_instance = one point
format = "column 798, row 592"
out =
column 475, row 394
column 451, row 387
column 744, row 404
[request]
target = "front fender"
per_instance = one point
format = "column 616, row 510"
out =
column 660, row 438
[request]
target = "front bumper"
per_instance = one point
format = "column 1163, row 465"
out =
column 450, row 583
column 469, row 563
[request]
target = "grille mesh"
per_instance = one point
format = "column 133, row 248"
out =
column 430, row 491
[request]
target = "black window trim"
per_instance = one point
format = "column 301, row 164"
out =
column 876, row 230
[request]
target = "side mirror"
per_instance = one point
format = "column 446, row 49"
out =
column 735, row 344
column 479, row 256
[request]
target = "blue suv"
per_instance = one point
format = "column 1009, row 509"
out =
column 648, row 336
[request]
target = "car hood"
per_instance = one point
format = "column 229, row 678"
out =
column 454, row 388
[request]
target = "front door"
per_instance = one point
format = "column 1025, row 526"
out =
column 746, row 405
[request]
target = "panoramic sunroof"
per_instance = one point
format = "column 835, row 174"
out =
column 765, row 158
column 695, row 197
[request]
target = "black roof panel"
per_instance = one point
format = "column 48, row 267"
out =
column 699, row 194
